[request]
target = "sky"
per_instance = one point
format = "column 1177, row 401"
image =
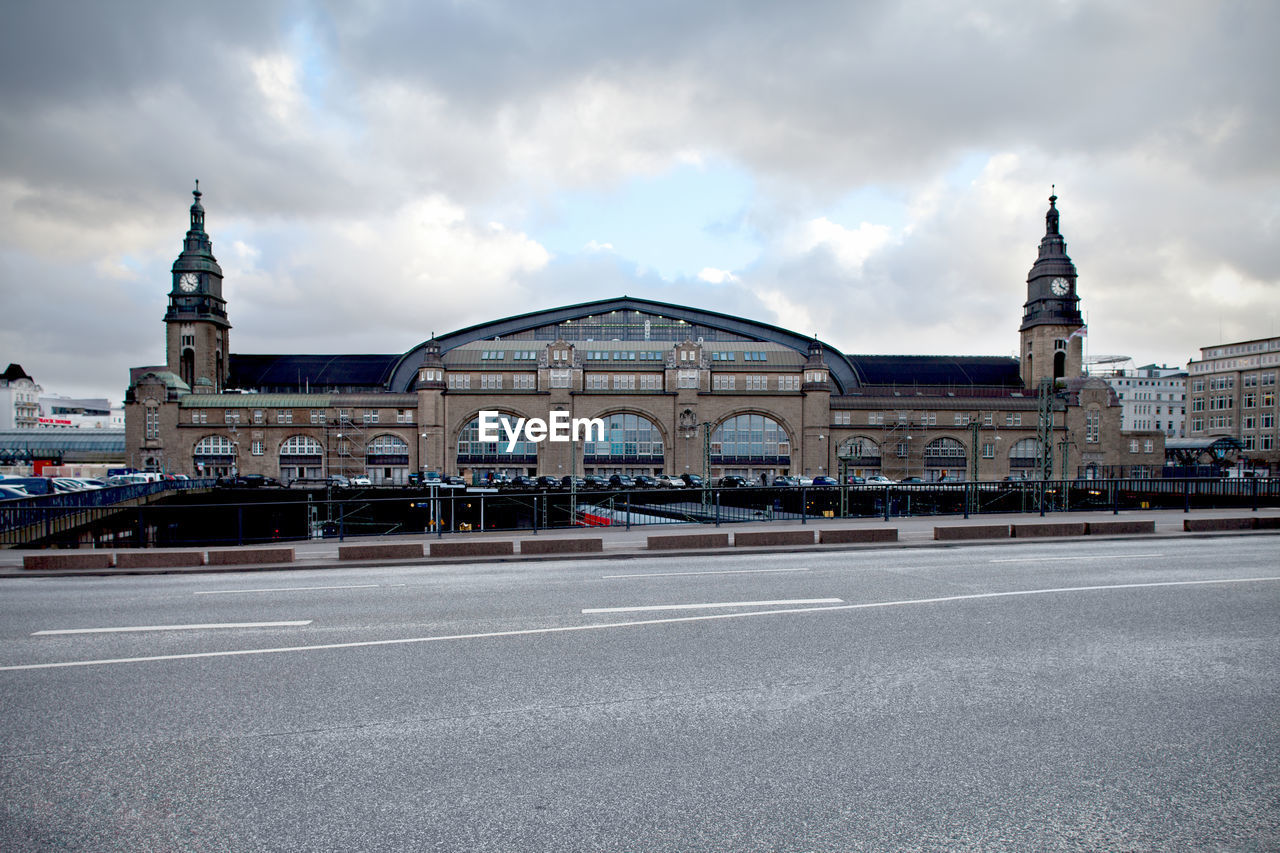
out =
column 875, row 173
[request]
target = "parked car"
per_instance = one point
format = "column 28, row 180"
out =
column 786, row 481
column 732, row 481
column 521, row 483
column 693, row 481
column 855, row 480
column 546, row 481
column 879, row 480
column 7, row 491
column 496, row 479
column 669, row 481
column 125, row 479
column 644, row 481
column 825, row 481
column 621, row 481
column 596, row 481
column 571, row 483
column 454, row 480
column 361, row 480
column 33, row 485
column 911, row 480
column 339, row 481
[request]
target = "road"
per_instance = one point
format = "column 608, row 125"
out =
column 1111, row 695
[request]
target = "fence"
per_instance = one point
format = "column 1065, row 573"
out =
column 190, row 513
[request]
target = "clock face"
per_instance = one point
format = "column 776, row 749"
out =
column 188, row 282
column 1060, row 286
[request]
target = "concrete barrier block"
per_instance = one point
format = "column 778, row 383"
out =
column 477, row 548
column 754, row 538
column 561, row 546
column 250, row 556
column 1208, row 525
column 1111, row 528
column 688, row 540
column 384, row 551
column 68, row 560
column 858, row 534
column 158, row 559
column 972, row 531
column 1267, row 522
column 1047, row 528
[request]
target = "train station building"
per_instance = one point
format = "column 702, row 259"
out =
column 680, row 389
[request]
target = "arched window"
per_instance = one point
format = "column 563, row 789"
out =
column 629, row 439
column 1025, row 454
column 386, row 460
column 750, row 440
column 860, row 451
column 301, row 456
column 473, row 451
column 214, row 456
column 215, row 445
column 945, row 457
column 390, row 447
column 301, row 445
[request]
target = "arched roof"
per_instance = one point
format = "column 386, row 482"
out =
column 736, row 328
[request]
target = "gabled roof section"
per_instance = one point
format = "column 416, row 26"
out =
column 316, row 372
column 938, row 370
column 841, row 371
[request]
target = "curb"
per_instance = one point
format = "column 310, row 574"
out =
column 729, row 551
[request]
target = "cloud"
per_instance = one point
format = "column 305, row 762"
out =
column 354, row 155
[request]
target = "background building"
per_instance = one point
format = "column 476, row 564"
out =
column 90, row 412
column 1232, row 395
column 19, row 399
column 1152, row 397
column 681, row 390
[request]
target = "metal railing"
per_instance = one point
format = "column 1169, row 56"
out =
column 189, row 513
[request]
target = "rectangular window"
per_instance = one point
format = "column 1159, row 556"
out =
column 230, row 416
column 1092, row 425
column 1133, row 445
column 459, row 381
column 651, row 381
column 723, row 381
column 315, row 416
column 788, row 383
column 1148, row 445
column 1268, row 420
column 988, row 450
column 153, row 422
column 988, row 418
column 256, row 448
column 597, row 381
column 875, row 417
column 404, row 416
column 560, row 378
column 902, row 450
column 929, row 419
column 371, row 416
column 491, row 381
column 524, row 381
column 257, row 416
column 624, row 382
column 687, row 379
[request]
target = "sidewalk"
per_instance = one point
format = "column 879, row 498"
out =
column 619, row 542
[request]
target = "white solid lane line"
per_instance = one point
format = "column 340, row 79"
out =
column 727, row 572
column 286, row 589
column 1060, row 559
column 715, row 604
column 174, row 627
column 640, row 623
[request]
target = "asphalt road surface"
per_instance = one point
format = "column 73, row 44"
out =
column 1111, row 695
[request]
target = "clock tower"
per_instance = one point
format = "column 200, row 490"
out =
column 196, row 326
column 1052, row 328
